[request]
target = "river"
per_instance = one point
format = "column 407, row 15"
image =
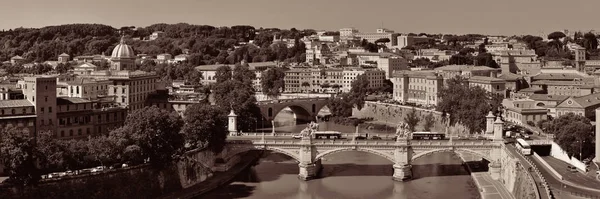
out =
column 350, row 175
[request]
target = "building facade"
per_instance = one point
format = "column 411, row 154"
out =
column 419, row 87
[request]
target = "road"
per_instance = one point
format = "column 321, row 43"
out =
column 580, row 178
column 538, row 179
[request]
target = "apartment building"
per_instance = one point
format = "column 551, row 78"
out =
column 329, row 80
column 419, row 87
column 434, row 55
column 387, row 62
column 209, row 72
column 380, row 33
column 564, row 88
column 493, row 85
column 405, row 40
column 579, row 105
column 523, row 111
column 466, row 71
column 518, row 61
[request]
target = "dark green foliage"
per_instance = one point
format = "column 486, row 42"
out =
column 428, row 122
column 467, row 105
column 573, row 133
column 412, row 119
column 206, row 125
column 273, row 83
column 18, row 154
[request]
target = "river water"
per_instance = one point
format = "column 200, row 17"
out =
column 350, row 175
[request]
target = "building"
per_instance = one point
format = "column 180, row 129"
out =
column 419, row 87
column 163, row 58
column 10, row 92
column 181, row 58
column 523, row 111
column 156, row 35
column 16, row 60
column 579, row 105
column 209, row 72
column 434, row 55
column 348, row 32
column 41, row 92
column 18, row 114
column 87, row 88
column 404, row 40
column 329, row 80
column 466, row 71
column 388, row 62
column 518, row 61
column 380, row 34
column 84, row 68
column 318, row 54
column 548, row 101
column 63, row 58
column 565, row 88
column 490, row 84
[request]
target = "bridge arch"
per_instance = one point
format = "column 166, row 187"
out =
column 236, row 151
column 385, row 155
column 455, row 150
column 304, row 110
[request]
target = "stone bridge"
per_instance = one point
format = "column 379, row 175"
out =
column 305, row 109
column 308, row 152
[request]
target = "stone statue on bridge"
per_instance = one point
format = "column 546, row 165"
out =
column 403, row 130
column 309, row 130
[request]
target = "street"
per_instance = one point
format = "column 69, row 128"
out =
column 588, row 180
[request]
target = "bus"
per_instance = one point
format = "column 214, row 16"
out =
column 523, row 147
column 327, row 134
column 428, row 136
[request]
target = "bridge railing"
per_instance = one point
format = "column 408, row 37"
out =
column 291, row 100
column 259, row 141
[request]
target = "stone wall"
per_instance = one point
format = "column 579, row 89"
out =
column 141, row 181
column 394, row 114
column 516, row 178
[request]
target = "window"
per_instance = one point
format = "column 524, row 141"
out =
column 42, row 110
column 49, row 109
column 62, row 133
column 87, row 131
column 50, row 122
column 33, row 98
column 71, row 132
column 115, row 90
column 122, row 90
column 2, row 112
column 68, row 107
column 46, row 97
column 78, row 131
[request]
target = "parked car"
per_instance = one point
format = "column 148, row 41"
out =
column 360, row 137
column 375, row 137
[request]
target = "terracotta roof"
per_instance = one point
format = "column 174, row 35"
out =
column 558, row 76
column 464, row 68
column 70, row 100
column 15, row 103
column 587, row 100
column 510, row 76
column 558, row 83
column 424, row 73
column 531, row 89
column 485, row 79
column 546, row 97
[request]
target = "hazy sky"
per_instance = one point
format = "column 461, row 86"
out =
column 431, row 16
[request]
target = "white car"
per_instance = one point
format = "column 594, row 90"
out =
column 297, row 136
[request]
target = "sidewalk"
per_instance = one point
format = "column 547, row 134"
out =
column 488, row 187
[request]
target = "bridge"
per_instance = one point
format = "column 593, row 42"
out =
column 309, row 152
column 305, row 109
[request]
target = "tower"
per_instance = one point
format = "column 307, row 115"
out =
column 232, row 125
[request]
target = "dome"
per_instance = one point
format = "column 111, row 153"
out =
column 123, row 50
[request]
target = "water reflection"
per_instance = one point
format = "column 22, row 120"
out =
column 352, row 175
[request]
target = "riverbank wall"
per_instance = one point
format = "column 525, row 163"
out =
column 516, row 178
column 393, row 114
column 142, row 181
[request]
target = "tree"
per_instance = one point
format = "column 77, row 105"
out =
column 467, row 105
column 272, row 82
column 574, row 134
column 340, row 106
column 18, row 154
column 156, row 132
column 53, row 154
column 412, row 119
column 359, row 90
column 556, row 35
column 382, row 40
column 63, row 68
column 206, row 125
column 223, row 74
column 591, row 42
column 428, row 122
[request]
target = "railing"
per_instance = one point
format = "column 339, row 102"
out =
column 341, row 142
column 539, row 142
column 277, row 101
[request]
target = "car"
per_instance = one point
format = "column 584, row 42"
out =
column 375, row 137
column 360, row 137
column 571, row 168
column 296, row 136
column 527, row 137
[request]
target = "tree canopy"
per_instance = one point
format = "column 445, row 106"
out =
column 467, row 105
column 574, row 134
column 18, row 154
column 272, row 82
column 206, row 126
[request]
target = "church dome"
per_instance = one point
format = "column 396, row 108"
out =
column 123, row 50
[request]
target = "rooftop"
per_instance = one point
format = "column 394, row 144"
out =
column 485, row 79
column 422, row 73
column 546, row 97
column 510, row 76
column 253, row 66
column 71, row 100
column 587, row 100
column 464, row 68
column 15, row 103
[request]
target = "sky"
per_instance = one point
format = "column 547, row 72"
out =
column 505, row 17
